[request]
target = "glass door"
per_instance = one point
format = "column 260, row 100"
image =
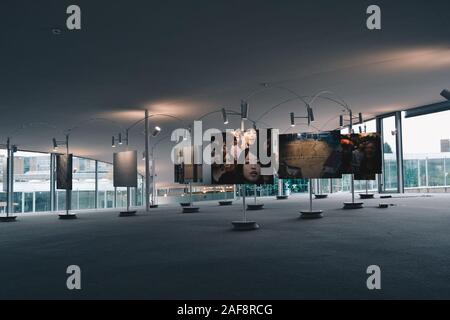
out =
column 390, row 128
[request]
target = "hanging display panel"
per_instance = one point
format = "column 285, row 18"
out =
column 64, row 164
column 125, row 169
column 310, row 155
column 237, row 158
column 361, row 154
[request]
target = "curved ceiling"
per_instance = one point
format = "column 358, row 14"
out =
column 187, row 58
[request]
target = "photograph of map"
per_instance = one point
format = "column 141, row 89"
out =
column 310, row 155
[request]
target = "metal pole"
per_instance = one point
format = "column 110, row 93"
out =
column 8, row 178
column 154, row 194
column 254, row 191
column 52, row 182
column 147, row 166
column 310, row 194
column 243, row 186
column 128, row 188
column 96, row 184
column 352, row 181
column 68, row 192
column 243, row 202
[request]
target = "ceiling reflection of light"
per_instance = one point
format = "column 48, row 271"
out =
column 420, row 59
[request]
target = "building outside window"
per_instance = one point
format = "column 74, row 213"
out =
column 31, row 182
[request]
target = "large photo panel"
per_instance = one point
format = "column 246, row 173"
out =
column 310, row 155
column 64, row 164
column 361, row 154
column 237, row 160
column 125, row 169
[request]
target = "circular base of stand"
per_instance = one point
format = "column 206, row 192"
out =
column 383, row 206
column 225, row 203
column 8, row 219
column 255, row 207
column 387, row 196
column 245, row 225
column 127, row 213
column 190, row 209
column 320, row 196
column 153, row 206
column 282, row 197
column 185, row 204
column 353, row 205
column 65, row 216
column 315, row 214
column 366, row 195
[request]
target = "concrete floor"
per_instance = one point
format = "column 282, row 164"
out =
column 167, row 255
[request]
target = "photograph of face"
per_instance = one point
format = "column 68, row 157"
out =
column 309, row 155
column 361, row 154
column 244, row 147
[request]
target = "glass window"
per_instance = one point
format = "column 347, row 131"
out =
column 31, row 182
column 426, row 149
column 390, row 182
column 105, row 185
column 83, row 184
column 3, row 154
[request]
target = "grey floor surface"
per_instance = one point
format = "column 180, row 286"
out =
column 168, row 255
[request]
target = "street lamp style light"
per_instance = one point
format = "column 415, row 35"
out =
column 55, row 145
column 244, row 110
column 224, row 116
column 156, row 131
column 309, row 116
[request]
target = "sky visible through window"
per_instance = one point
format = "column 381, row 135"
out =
column 423, row 134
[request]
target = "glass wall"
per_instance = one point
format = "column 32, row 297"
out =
column 83, row 184
column 105, row 185
column 31, row 182
column 3, row 154
column 390, row 173
column 426, row 149
column 32, row 190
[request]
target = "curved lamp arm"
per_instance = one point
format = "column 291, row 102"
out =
column 88, row 121
column 151, row 116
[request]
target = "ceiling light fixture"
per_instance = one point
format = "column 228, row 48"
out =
column 224, row 116
column 446, row 94
column 55, row 145
column 292, row 119
column 156, row 131
column 244, row 110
